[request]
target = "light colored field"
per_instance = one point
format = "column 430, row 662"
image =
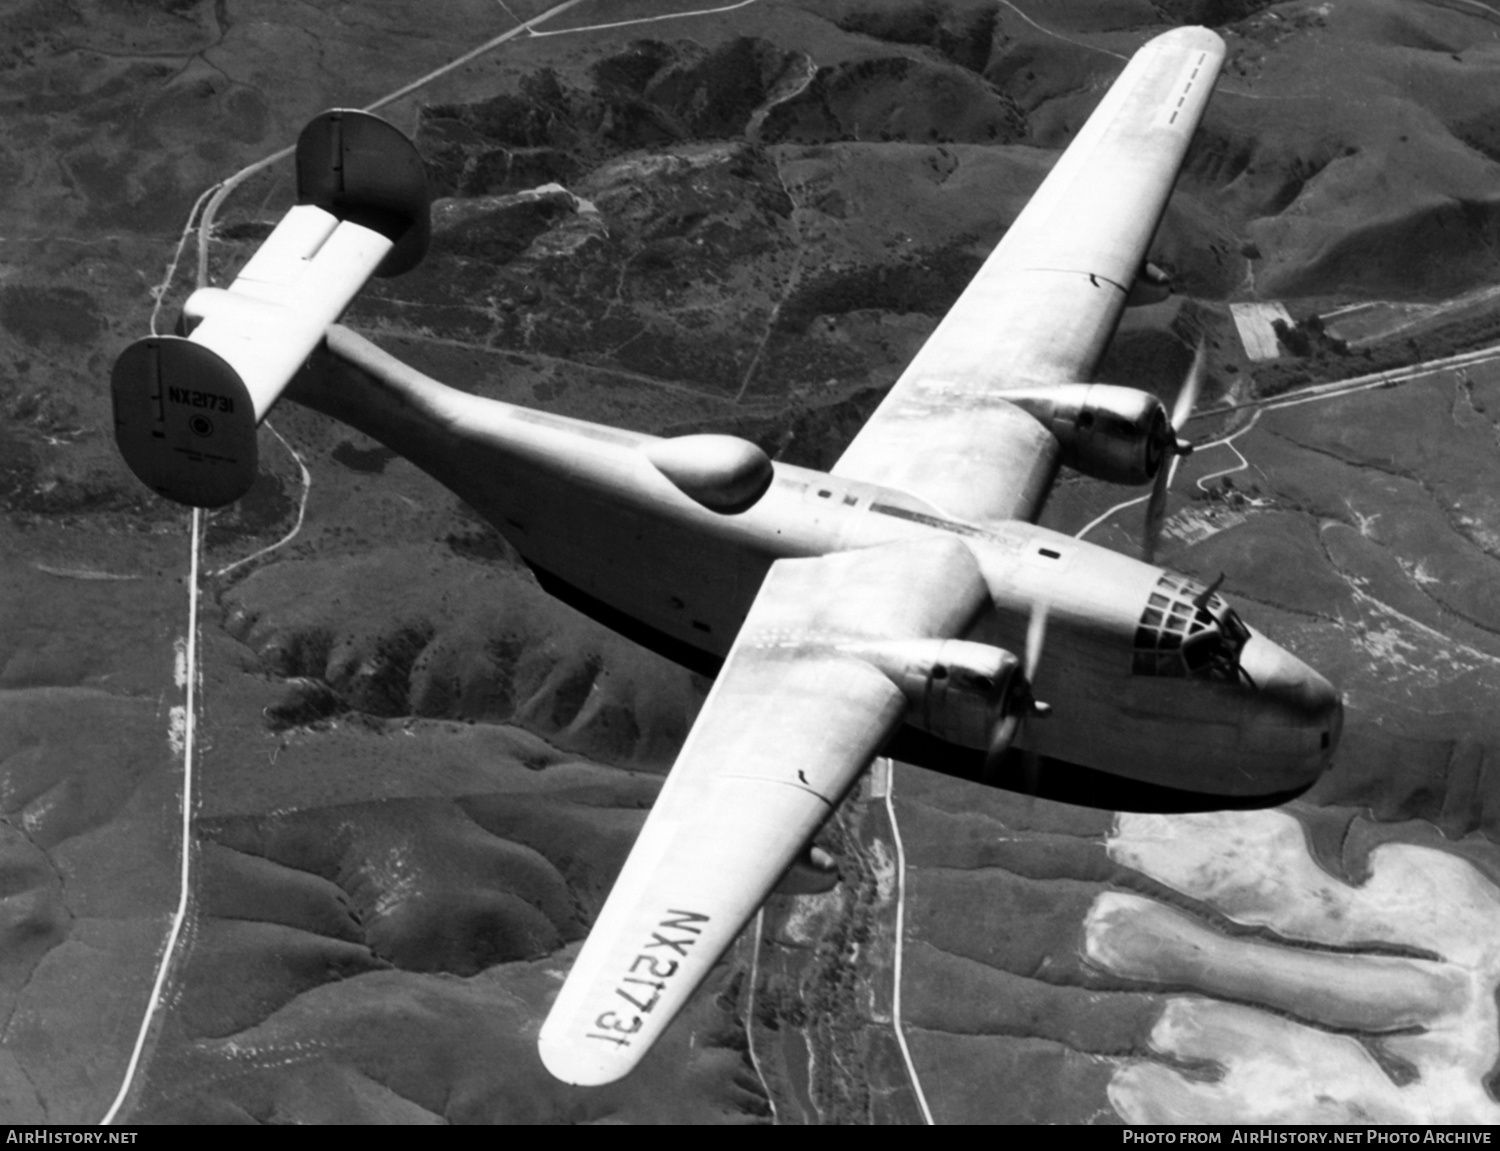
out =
column 1253, row 322
column 1416, row 1036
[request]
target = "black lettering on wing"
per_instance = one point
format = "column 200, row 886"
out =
column 685, row 921
column 609, row 1021
column 644, row 1008
column 615, row 1039
column 678, row 945
column 655, row 966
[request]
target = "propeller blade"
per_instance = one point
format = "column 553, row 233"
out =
column 1036, row 634
column 1192, row 384
column 1156, row 510
column 1000, row 741
column 1026, row 706
column 1182, row 412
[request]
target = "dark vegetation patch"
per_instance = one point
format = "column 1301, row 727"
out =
column 1211, row 13
column 370, row 461
column 964, row 35
column 260, row 511
column 1216, row 157
column 928, row 283
column 28, row 24
column 1307, row 338
column 650, row 95
column 134, row 191
column 293, row 653
column 1482, row 133
column 402, row 635
column 1320, row 358
column 253, row 231
column 482, row 543
column 645, row 271
column 50, row 315
column 170, row 7
column 41, row 410
column 306, row 702
column 653, row 95
column 896, row 98
column 1294, row 178
column 812, row 1006
column 714, row 95
column 27, row 491
column 496, row 230
column 17, row 471
column 377, row 683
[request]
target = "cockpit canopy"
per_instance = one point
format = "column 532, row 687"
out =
column 1187, row 631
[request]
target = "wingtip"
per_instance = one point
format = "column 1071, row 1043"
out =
column 1192, row 36
column 583, row 1068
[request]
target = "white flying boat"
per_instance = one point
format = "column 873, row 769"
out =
column 904, row 599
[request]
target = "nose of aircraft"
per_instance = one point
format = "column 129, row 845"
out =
column 1295, row 697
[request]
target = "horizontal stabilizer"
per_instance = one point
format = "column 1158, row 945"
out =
column 186, row 408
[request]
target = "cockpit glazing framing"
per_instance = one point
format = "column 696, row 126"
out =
column 1187, row 631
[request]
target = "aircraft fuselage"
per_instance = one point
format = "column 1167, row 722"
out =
column 602, row 526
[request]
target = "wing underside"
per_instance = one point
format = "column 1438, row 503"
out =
column 1044, row 305
column 791, row 722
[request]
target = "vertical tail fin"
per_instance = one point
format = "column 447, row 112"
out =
column 187, row 407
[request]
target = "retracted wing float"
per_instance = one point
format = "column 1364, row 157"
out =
column 187, row 407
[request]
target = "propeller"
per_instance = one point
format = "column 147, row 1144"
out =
column 1176, row 447
column 1021, row 706
column 1036, row 634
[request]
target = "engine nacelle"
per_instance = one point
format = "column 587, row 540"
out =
column 959, row 691
column 1111, row 433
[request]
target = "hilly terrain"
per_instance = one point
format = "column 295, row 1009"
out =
column 415, row 775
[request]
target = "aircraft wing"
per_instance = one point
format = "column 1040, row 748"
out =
column 1044, row 305
column 791, row 722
